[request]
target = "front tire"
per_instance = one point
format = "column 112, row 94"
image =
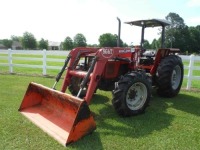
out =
column 131, row 94
column 169, row 76
column 74, row 86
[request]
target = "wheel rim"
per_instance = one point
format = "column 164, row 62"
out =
column 176, row 77
column 136, row 96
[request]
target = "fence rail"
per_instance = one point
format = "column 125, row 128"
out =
column 42, row 53
column 192, row 59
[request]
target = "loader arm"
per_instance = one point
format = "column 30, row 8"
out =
column 94, row 74
column 73, row 62
column 103, row 56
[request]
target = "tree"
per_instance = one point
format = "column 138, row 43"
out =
column 43, row 44
column 7, row 43
column 110, row 40
column 156, row 44
column 177, row 33
column 68, row 43
column 92, row 45
column 194, row 39
column 176, row 21
column 107, row 40
column 16, row 38
column 79, row 40
column 121, row 43
column 29, row 41
column 146, row 44
column 125, row 45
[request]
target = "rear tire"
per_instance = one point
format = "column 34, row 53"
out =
column 169, row 76
column 131, row 94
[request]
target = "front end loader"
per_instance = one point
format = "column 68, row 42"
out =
column 62, row 116
column 65, row 117
column 128, row 72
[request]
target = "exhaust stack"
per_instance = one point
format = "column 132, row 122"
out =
column 119, row 32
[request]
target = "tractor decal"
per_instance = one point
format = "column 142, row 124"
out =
column 107, row 52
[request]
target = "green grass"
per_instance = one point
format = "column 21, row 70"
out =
column 167, row 124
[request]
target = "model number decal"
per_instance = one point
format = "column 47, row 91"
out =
column 125, row 51
column 107, row 52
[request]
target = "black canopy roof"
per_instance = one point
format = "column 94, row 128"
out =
column 150, row 23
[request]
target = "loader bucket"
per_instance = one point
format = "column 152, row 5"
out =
column 64, row 117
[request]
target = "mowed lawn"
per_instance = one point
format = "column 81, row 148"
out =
column 167, row 124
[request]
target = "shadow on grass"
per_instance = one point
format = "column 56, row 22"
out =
column 155, row 119
column 99, row 99
column 186, row 103
column 89, row 142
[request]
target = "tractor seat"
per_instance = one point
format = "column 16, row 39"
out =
column 149, row 53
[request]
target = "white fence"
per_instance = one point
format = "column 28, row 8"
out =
column 190, row 68
column 44, row 59
column 42, row 53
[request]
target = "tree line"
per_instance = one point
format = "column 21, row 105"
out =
column 28, row 41
column 177, row 35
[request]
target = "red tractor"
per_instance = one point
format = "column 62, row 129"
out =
column 130, row 73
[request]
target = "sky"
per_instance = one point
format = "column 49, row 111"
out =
column 54, row 20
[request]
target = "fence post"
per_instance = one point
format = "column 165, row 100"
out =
column 44, row 62
column 191, row 65
column 10, row 61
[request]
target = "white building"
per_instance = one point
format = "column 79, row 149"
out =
column 54, row 45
